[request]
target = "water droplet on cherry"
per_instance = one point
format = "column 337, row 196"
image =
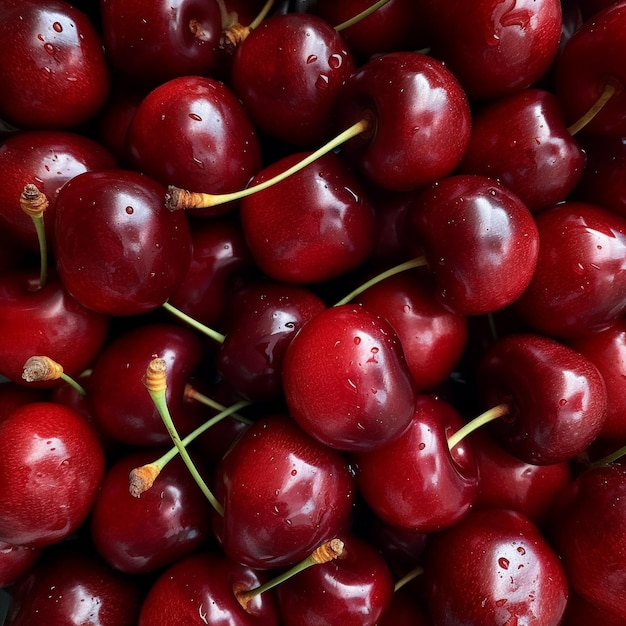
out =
column 503, row 563
column 57, row 27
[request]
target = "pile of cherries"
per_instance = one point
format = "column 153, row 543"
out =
column 311, row 320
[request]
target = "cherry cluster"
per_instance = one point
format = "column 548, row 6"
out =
column 313, row 312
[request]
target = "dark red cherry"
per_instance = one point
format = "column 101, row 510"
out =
column 419, row 120
column 119, row 250
column 354, row 589
column 51, row 464
column 283, row 494
column 16, row 561
column 199, row 589
column 415, row 481
column 579, row 283
column 556, row 397
column 47, row 159
column 165, row 523
column 494, row 567
column 480, row 241
column 588, row 532
column 498, row 47
column 45, row 321
column 194, row 133
column 152, row 42
column 580, row 612
column 118, row 398
column 346, row 381
column 522, row 141
column 304, row 60
column 316, row 225
column 73, row 587
column 52, row 67
column 267, row 316
column 433, row 338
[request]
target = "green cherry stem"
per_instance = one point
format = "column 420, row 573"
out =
column 484, row 418
column 199, row 326
column 607, row 93
column 155, row 382
column 43, row 368
column 34, row 203
column 195, row 395
column 408, row 577
column 360, row 16
column 610, row 458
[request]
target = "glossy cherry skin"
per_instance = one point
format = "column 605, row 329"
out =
column 48, row 322
column 306, row 61
column 346, row 381
column 153, row 42
column 267, row 317
column 579, row 283
column 47, row 159
column 506, row 482
column 498, row 48
column 119, row 250
column 283, row 494
column 592, row 58
column 588, row 530
column 433, row 338
column 354, row 589
column 522, row 141
column 480, row 242
column 199, row 589
column 52, row 464
column 53, row 70
column 316, row 225
column 419, row 115
column 118, row 398
column 415, row 482
column 194, row 133
column 556, row 397
column 494, row 567
column 16, row 561
column 167, row 522
column 72, row 588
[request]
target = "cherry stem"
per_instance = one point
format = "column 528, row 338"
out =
column 611, row 458
column 43, row 368
column 360, row 16
column 34, row 202
column 397, row 269
column 607, row 93
column 155, row 382
column 142, row 478
column 261, row 16
column 194, row 394
column 407, row 578
column 177, row 198
column 228, row 19
column 206, row 330
column 488, row 416
column 323, row 554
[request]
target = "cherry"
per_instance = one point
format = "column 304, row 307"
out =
column 499, row 48
column 193, row 132
column 119, row 251
column 419, row 117
column 354, row 589
column 315, row 225
column 432, row 337
column 47, row 159
column 580, row 612
column 415, row 481
column 283, row 494
column 71, row 587
column 166, row 523
column 522, row 141
column 346, row 381
column 16, row 561
column 52, row 464
column 153, row 42
column 577, row 287
column 587, row 531
column 556, row 397
column 302, row 58
column 200, row 589
column 52, row 66
column 480, row 241
column 494, row 567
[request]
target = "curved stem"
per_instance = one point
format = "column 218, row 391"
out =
column 407, row 578
column 610, row 458
column 261, row 16
column 209, row 332
column 607, row 93
column 195, row 395
column 488, row 416
column 362, row 15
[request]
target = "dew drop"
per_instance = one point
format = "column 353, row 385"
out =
column 311, row 58
column 521, row 550
column 335, row 61
column 195, row 116
column 503, row 563
column 57, row 27
column 49, row 48
column 130, row 210
column 562, row 402
column 421, row 446
column 322, row 81
column 40, row 37
column 501, row 602
column 357, row 341
column 294, row 472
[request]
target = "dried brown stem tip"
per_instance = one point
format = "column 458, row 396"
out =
column 41, row 368
column 233, row 36
column 142, row 478
column 328, row 551
column 155, row 379
column 33, row 201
